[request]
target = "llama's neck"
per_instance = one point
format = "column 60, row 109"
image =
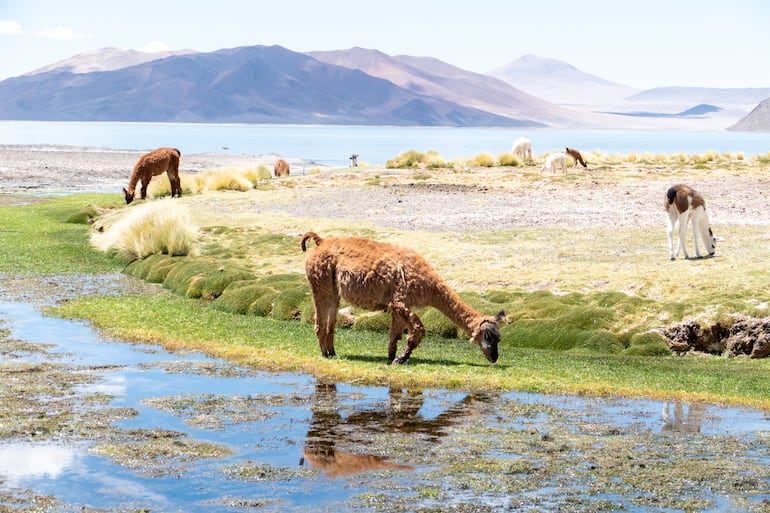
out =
column 133, row 181
column 446, row 301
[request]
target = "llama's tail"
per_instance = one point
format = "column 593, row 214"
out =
column 670, row 197
column 310, row 235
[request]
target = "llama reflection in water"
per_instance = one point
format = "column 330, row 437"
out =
column 681, row 421
column 328, row 429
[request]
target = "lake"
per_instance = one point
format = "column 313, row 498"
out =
column 333, row 145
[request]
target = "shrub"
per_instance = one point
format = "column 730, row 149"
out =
column 509, row 159
column 227, row 182
column 484, row 160
column 413, row 159
column 161, row 226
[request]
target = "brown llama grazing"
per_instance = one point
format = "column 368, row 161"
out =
column 572, row 152
column 377, row 276
column 281, row 168
column 162, row 160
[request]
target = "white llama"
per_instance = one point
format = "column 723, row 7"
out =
column 522, row 148
column 554, row 160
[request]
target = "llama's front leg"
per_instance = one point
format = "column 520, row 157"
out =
column 696, row 235
column 397, row 326
column 415, row 336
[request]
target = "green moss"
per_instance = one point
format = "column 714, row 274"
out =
column 647, row 344
column 201, row 277
column 373, row 321
column 239, row 296
column 85, row 215
column 438, row 324
column 263, row 305
column 154, row 268
column 289, row 304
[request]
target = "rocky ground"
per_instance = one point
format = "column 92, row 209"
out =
column 470, row 199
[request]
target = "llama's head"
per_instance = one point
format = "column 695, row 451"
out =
column 129, row 196
column 711, row 243
column 487, row 335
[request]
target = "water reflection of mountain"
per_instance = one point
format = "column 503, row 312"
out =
column 402, row 414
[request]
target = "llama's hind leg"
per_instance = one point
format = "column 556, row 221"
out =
column 326, row 304
column 682, row 245
column 145, row 184
column 176, row 185
column 670, row 233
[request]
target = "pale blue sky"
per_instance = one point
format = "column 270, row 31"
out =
column 639, row 43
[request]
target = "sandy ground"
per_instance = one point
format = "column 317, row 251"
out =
column 472, row 200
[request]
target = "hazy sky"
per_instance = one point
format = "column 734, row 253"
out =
column 639, row 43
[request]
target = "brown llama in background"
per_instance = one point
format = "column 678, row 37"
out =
column 281, row 168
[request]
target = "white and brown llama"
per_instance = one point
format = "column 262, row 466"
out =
column 684, row 205
column 522, row 148
column 555, row 160
column 154, row 163
column 377, row 276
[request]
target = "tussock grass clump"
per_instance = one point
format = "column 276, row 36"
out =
column 484, row 160
column 161, row 226
column 509, row 160
column 222, row 181
column 416, row 159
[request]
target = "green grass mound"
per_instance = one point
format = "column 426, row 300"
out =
column 201, row 277
column 85, row 215
column 281, row 296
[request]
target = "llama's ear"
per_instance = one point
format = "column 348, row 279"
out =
column 719, row 239
column 500, row 317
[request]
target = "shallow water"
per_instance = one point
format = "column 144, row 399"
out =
column 303, row 445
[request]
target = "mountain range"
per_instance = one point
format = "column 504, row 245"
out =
column 271, row 84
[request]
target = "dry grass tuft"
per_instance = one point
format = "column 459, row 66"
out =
column 161, row 226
